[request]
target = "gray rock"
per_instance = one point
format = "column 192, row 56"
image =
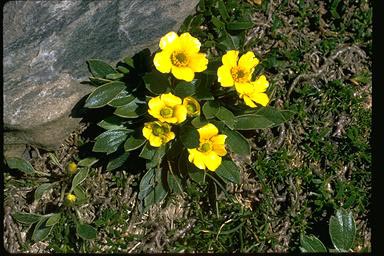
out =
column 46, row 45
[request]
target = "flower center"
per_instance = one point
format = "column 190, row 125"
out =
column 205, row 147
column 239, row 75
column 166, row 112
column 158, row 130
column 191, row 108
column 179, row 59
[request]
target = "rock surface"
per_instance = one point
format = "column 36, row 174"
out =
column 46, row 45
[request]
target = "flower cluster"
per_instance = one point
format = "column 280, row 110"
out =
column 180, row 55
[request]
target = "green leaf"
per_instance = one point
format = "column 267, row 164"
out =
column 229, row 171
column 239, row 25
column 88, row 162
column 129, row 61
column 86, row 231
column 123, row 70
column 236, row 142
column 41, row 230
column 217, row 23
column 342, row 229
column 226, row 117
column 157, row 157
column 97, row 81
column 155, row 196
column 110, row 140
column 275, row 115
column 80, row 194
column 210, row 108
column 99, row 68
column 199, row 122
column 117, row 162
column 252, row 121
column 41, row 189
column 131, row 110
column 104, row 94
column 174, row 183
column 79, row 178
column 156, row 82
column 53, row 219
column 134, row 141
column 112, row 123
column 203, row 87
column 114, row 76
column 184, row 89
column 189, row 136
column 146, row 183
column 148, row 152
column 152, row 189
column 223, row 10
column 123, row 98
column 311, row 244
column 26, row 218
column 195, row 173
column 20, row 164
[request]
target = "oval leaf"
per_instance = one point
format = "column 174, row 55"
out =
column 342, row 230
column 236, row 142
column 99, row 68
column 131, row 110
column 20, row 164
column 229, row 171
column 41, row 230
column 110, row 140
column 54, row 219
column 86, row 231
column 210, row 108
column 117, row 162
column 251, row 122
column 134, row 142
column 226, row 116
column 190, row 137
column 123, row 98
column 156, row 82
column 104, row 94
column 26, row 218
column 239, row 25
column 79, row 178
column 114, row 76
column 184, row 89
column 88, row 162
column 311, row 244
column 41, row 189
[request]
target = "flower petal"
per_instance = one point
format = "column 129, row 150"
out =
column 261, row 84
column 260, row 98
column 155, row 141
column 192, row 153
column 170, row 100
column 183, row 73
column 244, row 88
column 219, row 139
column 198, row 62
column 224, row 76
column 169, row 136
column 189, row 43
column 180, row 112
column 156, row 103
column 207, row 131
column 230, row 58
column 162, row 61
column 248, row 101
column 198, row 160
column 167, row 40
column 219, row 149
column 248, row 61
column 212, row 161
column 147, row 132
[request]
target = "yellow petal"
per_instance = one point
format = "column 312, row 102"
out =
column 261, row 84
column 207, row 131
column 156, row 114
column 198, row 62
column 183, row 73
column 248, row 61
column 244, row 88
column 162, row 61
column 212, row 161
column 170, row 100
column 155, row 141
column 230, row 58
column 198, row 160
column 220, row 149
column 171, row 120
column 156, row 103
column 169, row 136
column 191, row 155
column 189, row 43
column 224, row 76
column 219, row 139
column 248, row 101
column 260, row 98
column 180, row 112
column 147, row 132
column 168, row 40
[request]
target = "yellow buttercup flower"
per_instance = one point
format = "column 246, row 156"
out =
column 70, row 198
column 238, row 72
column 211, row 148
column 167, row 108
column 158, row 133
column 72, row 167
column 192, row 106
column 254, row 92
column 180, row 56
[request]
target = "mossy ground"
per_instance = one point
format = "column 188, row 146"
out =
column 318, row 58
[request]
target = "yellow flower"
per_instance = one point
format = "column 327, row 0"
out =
column 70, row 198
column 72, row 167
column 158, row 133
column 167, row 108
column 254, row 92
column 180, row 55
column 211, row 148
column 238, row 72
column 192, row 106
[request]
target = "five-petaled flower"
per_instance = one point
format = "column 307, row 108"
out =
column 192, row 106
column 158, row 133
column 167, row 108
column 238, row 72
column 180, row 55
column 211, row 148
column 70, row 198
column 72, row 167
